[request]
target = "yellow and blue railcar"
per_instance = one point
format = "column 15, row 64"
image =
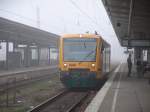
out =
column 84, row 59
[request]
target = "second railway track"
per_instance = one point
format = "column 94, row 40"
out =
column 65, row 101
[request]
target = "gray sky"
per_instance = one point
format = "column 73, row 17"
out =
column 63, row 16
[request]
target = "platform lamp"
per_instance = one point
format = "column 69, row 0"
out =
column 118, row 24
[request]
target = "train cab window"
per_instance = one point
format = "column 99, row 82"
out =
column 80, row 49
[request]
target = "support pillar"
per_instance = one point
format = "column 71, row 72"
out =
column 7, row 50
column 138, row 54
column 27, row 56
column 15, row 46
column 49, row 59
column 148, row 55
column 38, row 53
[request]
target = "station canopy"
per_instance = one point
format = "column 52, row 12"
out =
column 22, row 34
column 131, row 21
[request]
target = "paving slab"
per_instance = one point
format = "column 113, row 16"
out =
column 126, row 94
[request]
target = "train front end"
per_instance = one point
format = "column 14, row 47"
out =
column 79, row 61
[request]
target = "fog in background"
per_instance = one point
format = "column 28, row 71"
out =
column 63, row 16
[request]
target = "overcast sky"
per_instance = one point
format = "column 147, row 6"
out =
column 63, row 16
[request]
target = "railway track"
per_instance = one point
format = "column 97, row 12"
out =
column 66, row 101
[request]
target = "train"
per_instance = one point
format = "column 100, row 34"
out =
column 84, row 60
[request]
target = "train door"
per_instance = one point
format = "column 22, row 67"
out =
column 106, row 58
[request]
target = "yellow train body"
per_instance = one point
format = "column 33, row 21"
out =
column 95, row 66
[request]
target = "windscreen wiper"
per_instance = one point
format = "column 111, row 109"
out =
column 87, row 56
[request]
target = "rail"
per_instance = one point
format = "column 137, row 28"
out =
column 45, row 103
column 66, row 101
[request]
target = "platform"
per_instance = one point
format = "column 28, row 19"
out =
column 18, row 71
column 122, row 94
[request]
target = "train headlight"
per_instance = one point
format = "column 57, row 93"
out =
column 65, row 65
column 93, row 65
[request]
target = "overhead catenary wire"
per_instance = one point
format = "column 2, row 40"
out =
column 94, row 25
column 83, row 12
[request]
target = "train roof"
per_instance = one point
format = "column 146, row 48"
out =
column 78, row 35
column 85, row 35
column 105, row 43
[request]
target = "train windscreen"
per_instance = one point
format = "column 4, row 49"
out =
column 80, row 49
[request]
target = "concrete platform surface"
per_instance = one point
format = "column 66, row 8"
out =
column 122, row 94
